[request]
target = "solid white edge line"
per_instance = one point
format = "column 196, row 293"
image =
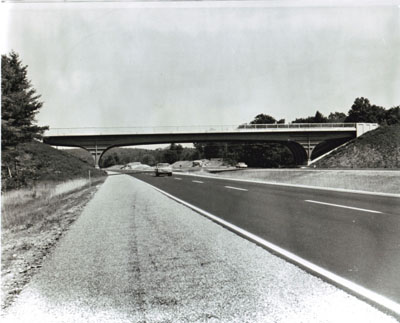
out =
column 236, row 188
column 343, row 206
column 340, row 281
column 295, row 185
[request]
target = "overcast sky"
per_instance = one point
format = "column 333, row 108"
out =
column 167, row 64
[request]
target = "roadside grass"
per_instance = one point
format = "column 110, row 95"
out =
column 33, row 221
column 383, row 181
column 24, row 208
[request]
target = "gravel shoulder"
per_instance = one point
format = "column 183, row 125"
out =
column 134, row 255
column 24, row 249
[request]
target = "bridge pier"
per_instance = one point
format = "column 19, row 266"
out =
column 306, row 150
column 308, row 145
column 96, row 151
column 96, row 158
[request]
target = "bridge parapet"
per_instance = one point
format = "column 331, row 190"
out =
column 206, row 129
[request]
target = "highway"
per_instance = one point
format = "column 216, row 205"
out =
column 355, row 236
column 135, row 255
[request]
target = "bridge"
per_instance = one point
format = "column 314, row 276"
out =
column 306, row 141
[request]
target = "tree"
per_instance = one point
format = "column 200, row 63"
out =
column 178, row 148
column 169, row 156
column 392, row 116
column 213, row 149
column 148, row 160
column 263, row 119
column 111, row 160
column 19, row 103
column 318, row 118
column 190, row 154
column 363, row 111
column 336, row 117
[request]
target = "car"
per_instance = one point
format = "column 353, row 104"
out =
column 241, row 165
column 163, row 169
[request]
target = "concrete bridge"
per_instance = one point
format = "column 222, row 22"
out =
column 305, row 141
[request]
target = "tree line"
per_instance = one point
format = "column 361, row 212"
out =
column 171, row 154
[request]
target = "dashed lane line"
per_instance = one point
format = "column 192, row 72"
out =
column 354, row 288
column 343, row 206
column 178, row 179
column 293, row 185
column 200, row 182
column 236, row 188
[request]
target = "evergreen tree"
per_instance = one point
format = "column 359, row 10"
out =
column 19, row 103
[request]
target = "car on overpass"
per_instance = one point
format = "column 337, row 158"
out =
column 163, row 169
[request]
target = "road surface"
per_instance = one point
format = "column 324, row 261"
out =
column 356, row 236
column 135, row 255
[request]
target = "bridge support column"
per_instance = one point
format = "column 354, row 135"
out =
column 96, row 151
column 307, row 150
column 309, row 146
column 302, row 150
column 96, row 157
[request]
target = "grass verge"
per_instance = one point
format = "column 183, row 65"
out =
column 32, row 223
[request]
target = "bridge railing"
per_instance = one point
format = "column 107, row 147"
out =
column 193, row 129
column 296, row 125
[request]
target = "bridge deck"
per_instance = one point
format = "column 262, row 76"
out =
column 294, row 127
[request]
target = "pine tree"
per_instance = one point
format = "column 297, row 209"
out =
column 19, row 104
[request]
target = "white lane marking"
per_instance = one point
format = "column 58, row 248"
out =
column 296, row 185
column 343, row 282
column 236, row 188
column 178, row 179
column 200, row 182
column 343, row 206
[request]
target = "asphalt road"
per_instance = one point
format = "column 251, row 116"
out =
column 356, row 236
column 134, row 255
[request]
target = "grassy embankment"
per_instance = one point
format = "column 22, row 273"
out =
column 379, row 148
column 32, row 163
column 43, row 191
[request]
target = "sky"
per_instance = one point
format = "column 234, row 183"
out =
column 203, row 63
